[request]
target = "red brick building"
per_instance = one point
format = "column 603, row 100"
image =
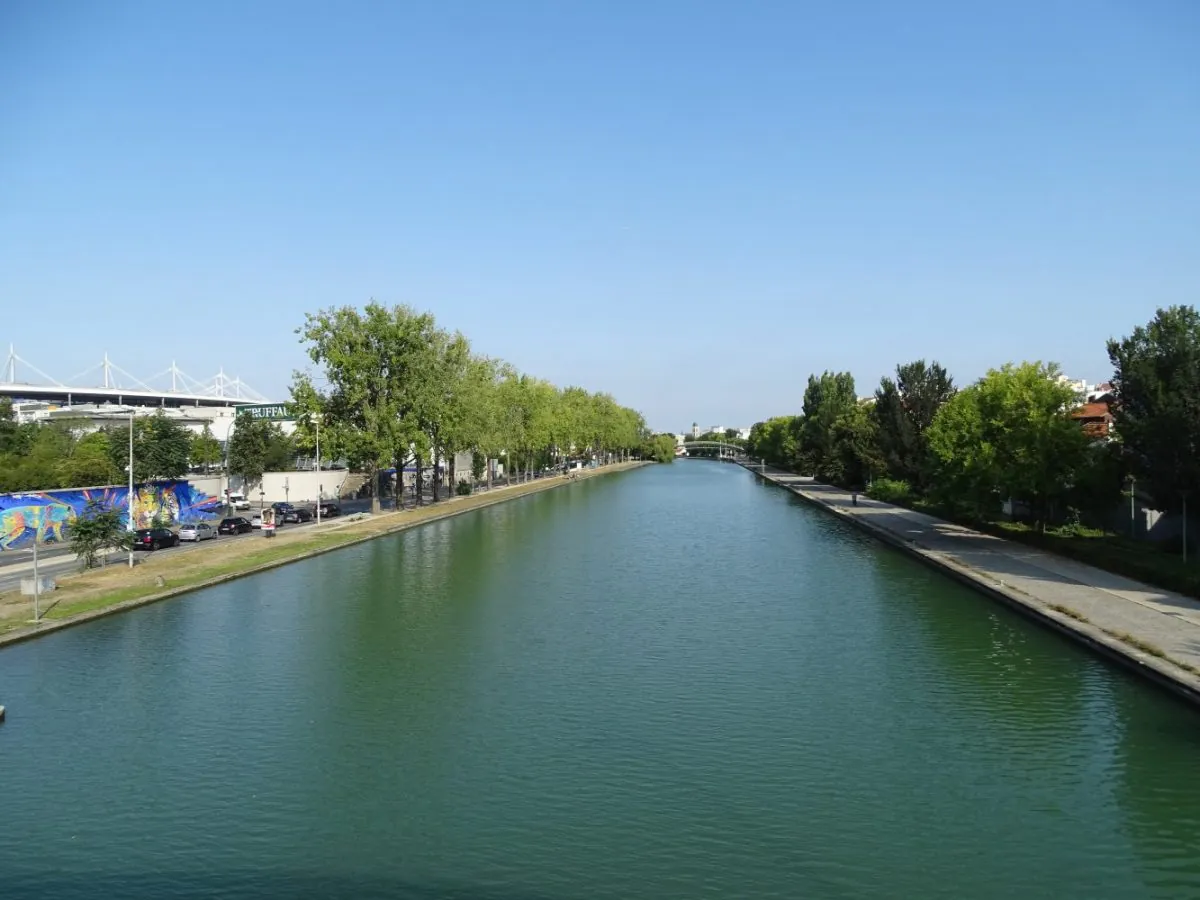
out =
column 1095, row 417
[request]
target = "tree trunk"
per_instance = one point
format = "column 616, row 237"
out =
column 375, row 490
column 418, row 481
column 453, row 470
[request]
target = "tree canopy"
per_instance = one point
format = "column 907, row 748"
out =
column 1156, row 385
column 161, row 447
column 401, row 389
column 903, row 411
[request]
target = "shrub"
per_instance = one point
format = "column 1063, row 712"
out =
column 891, row 490
column 463, row 488
column 98, row 530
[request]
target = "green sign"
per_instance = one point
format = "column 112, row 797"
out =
column 273, row 412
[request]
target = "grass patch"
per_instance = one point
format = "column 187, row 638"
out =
column 1138, row 644
column 1070, row 613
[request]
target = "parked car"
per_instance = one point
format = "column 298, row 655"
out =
column 238, row 500
column 154, row 538
column 256, row 520
column 201, row 531
column 329, row 510
column 235, row 525
column 297, row 514
column 283, row 513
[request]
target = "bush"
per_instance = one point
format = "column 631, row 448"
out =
column 891, row 490
column 463, row 488
column 98, row 530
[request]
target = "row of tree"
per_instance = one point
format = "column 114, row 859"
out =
column 1012, row 435
column 399, row 391
column 39, row 456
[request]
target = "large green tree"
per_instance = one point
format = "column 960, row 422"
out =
column 37, row 463
column 1009, row 435
column 777, row 440
column 161, row 447
column 660, row 448
column 89, row 462
column 1157, row 410
column 206, row 450
column 828, row 399
column 10, row 441
column 249, row 449
column 903, row 411
column 374, row 361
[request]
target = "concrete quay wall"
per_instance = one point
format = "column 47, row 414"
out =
column 1179, row 677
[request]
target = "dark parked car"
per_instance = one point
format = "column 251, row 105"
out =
column 234, row 525
column 296, row 514
column 154, row 538
column 329, row 510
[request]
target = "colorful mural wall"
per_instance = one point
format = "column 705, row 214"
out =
column 48, row 514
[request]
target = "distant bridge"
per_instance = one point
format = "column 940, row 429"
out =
column 713, row 450
column 106, row 382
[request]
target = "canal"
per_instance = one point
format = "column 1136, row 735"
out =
column 675, row 682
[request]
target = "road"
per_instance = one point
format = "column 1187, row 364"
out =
column 55, row 561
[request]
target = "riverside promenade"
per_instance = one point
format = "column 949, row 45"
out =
column 1153, row 631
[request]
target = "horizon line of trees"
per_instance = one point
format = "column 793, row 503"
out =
column 400, row 391
column 66, row 454
column 1010, row 435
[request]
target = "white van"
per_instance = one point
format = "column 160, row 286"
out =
column 238, row 500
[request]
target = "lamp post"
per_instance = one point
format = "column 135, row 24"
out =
column 261, row 500
column 1131, row 481
column 129, row 497
column 37, row 582
column 1183, row 494
column 321, row 487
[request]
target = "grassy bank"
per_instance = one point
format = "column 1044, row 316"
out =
column 97, row 592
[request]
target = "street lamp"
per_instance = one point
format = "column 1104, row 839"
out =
column 129, row 497
column 261, row 501
column 1131, row 482
column 37, row 582
column 321, row 487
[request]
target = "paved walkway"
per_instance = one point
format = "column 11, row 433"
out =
column 1111, row 603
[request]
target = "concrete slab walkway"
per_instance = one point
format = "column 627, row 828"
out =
column 1150, row 627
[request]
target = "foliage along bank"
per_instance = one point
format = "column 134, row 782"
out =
column 1010, row 435
column 399, row 391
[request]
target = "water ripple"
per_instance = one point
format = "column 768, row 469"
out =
column 676, row 683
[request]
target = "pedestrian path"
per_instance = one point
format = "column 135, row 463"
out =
column 1126, row 613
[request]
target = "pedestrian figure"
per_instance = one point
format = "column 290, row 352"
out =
column 854, row 498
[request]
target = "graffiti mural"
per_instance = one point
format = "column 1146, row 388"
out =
column 48, row 514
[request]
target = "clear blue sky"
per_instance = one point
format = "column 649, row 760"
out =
column 689, row 204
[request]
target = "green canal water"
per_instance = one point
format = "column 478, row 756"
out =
column 676, row 682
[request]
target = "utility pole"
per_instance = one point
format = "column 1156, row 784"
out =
column 37, row 582
column 129, row 498
column 320, row 487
